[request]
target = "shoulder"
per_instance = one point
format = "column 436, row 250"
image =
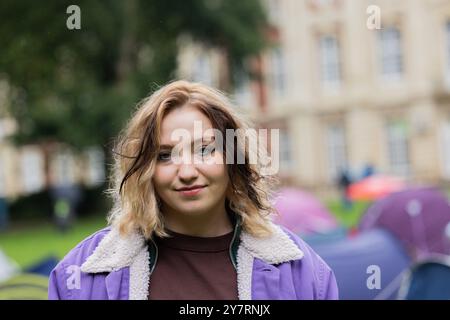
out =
column 81, row 252
column 309, row 255
column 85, row 248
column 314, row 268
column 69, row 267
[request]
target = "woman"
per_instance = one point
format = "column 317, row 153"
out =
column 190, row 221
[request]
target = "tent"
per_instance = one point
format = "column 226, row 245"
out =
column 367, row 266
column 43, row 267
column 302, row 213
column 427, row 280
column 7, row 267
column 375, row 187
column 419, row 217
column 24, row 287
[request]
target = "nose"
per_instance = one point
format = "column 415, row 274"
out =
column 187, row 172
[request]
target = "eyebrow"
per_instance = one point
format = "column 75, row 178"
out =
column 206, row 139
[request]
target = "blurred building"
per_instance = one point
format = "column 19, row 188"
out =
column 348, row 83
column 29, row 169
column 351, row 83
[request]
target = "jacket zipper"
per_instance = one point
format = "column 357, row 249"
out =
column 156, row 256
column 230, row 248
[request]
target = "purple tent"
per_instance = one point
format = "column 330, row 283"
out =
column 357, row 260
column 419, row 217
column 302, row 213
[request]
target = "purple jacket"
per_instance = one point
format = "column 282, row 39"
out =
column 108, row 266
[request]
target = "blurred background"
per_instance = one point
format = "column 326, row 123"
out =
column 360, row 90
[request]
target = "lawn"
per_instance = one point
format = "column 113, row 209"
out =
column 27, row 244
column 348, row 217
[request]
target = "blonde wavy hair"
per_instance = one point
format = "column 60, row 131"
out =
column 136, row 204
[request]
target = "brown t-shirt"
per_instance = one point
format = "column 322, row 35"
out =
column 193, row 268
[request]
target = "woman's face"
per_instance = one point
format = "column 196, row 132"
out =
column 203, row 169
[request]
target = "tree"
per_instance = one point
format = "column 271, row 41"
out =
column 79, row 86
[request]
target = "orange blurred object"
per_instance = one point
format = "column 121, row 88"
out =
column 375, row 187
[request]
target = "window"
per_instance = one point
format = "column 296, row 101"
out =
column 321, row 4
column 324, row 2
column 398, row 150
column 274, row 11
column 202, row 70
column 391, row 53
column 337, row 150
column 277, row 75
column 2, row 178
column 285, row 151
column 64, row 169
column 447, row 54
column 95, row 166
column 242, row 90
column 7, row 125
column 330, row 62
column 445, row 136
column 32, row 169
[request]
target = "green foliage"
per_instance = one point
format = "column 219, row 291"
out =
column 39, row 206
column 79, row 86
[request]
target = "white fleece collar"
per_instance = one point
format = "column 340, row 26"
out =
column 277, row 248
column 115, row 251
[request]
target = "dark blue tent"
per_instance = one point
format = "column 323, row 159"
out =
column 428, row 280
column 356, row 260
column 43, row 267
column 318, row 238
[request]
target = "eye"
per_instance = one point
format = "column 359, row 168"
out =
column 204, row 150
column 164, row 156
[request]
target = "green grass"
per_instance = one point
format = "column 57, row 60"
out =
column 351, row 217
column 27, row 244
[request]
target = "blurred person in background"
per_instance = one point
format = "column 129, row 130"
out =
column 368, row 170
column 191, row 229
column 66, row 199
column 62, row 214
column 344, row 182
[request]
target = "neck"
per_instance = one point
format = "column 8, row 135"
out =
column 210, row 224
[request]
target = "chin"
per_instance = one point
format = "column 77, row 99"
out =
column 193, row 210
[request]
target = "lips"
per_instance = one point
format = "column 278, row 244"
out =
column 190, row 188
column 190, row 191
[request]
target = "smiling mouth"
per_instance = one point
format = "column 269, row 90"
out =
column 191, row 191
